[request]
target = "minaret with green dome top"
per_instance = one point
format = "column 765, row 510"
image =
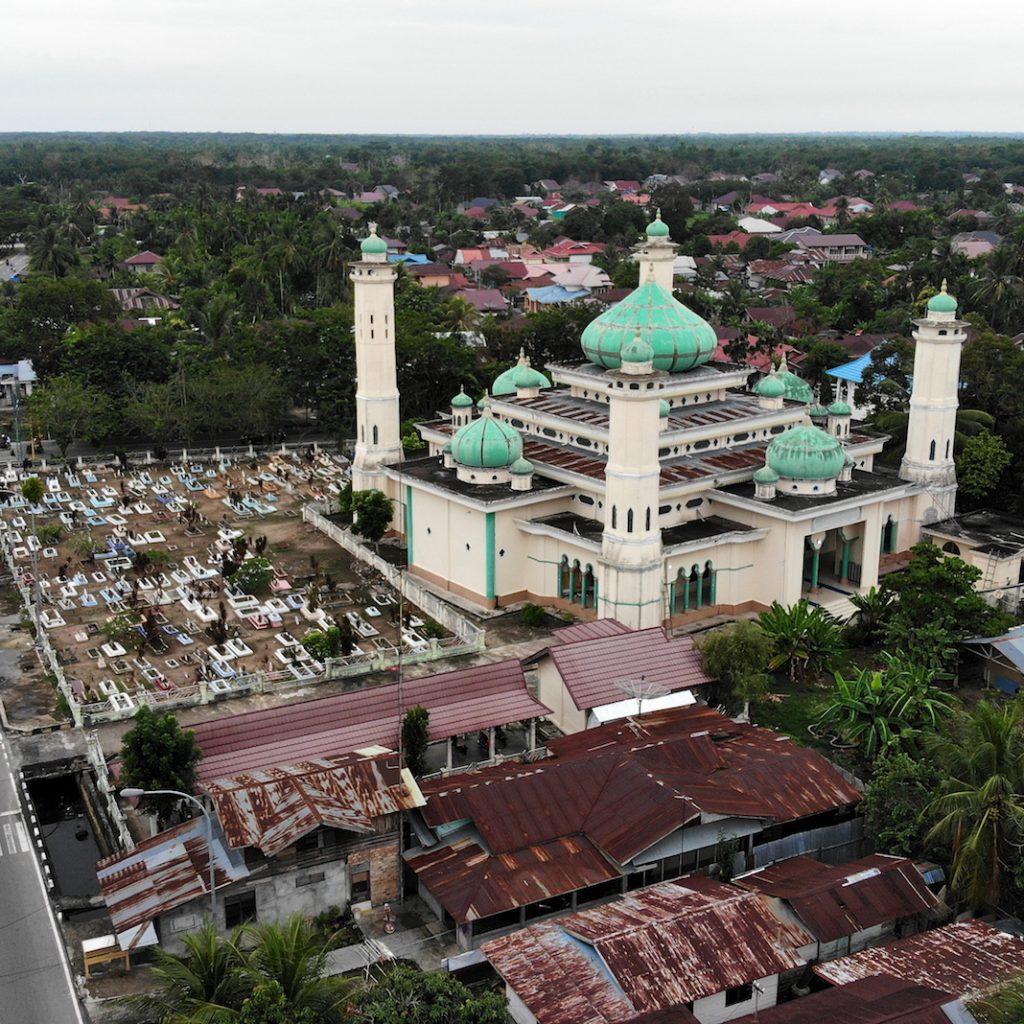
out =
column 378, row 437
column 657, row 254
column 928, row 460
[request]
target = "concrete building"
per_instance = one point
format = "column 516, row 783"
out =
column 646, row 482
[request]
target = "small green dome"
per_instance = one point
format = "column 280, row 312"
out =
column 484, row 401
column 817, row 411
column 840, row 409
column 447, row 446
column 848, row 459
column 806, row 453
column 487, row 443
column 664, row 408
column 797, row 389
column 679, row 338
column 521, row 375
column 462, row 400
column 373, row 244
column 521, row 467
column 638, row 351
column 766, row 475
column 657, row 228
column 943, row 302
column 770, row 387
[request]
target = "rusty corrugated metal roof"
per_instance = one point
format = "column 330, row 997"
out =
column 624, row 787
column 594, row 668
column 589, row 630
column 654, row 949
column 469, row 883
column 464, row 701
column 878, row 1000
column 274, row 807
column 164, row 872
column 969, row 959
column 838, row 900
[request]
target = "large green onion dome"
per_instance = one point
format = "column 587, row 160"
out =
column 678, row 337
column 806, row 453
column 943, row 302
column 373, row 244
column 487, row 443
column 521, row 375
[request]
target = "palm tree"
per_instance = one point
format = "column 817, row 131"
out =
column 969, row 422
column 980, row 810
column 50, row 251
column 1003, row 1007
column 872, row 607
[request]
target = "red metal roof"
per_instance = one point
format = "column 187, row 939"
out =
column 878, row 1000
column 470, row 884
column 589, row 630
column 464, row 701
column 143, row 259
column 656, row 948
column 835, row 901
column 969, row 959
column 594, row 669
column 272, row 808
column 625, row 786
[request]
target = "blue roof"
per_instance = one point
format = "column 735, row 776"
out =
column 556, row 293
column 408, row 257
column 853, row 371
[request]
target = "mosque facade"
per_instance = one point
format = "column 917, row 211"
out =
column 646, row 482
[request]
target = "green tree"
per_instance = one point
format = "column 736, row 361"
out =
column 878, row 710
column 737, row 656
column 415, row 738
column 268, row 1004
column 157, row 754
column 873, row 607
column 980, row 808
column 896, row 800
column 804, row 638
column 323, row 643
column 981, row 463
column 66, row 410
column 32, row 490
column 253, row 575
column 124, row 630
column 1003, row 1007
column 409, row 996
column 373, row 510
column 936, row 606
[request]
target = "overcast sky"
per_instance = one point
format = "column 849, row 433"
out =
column 525, row 66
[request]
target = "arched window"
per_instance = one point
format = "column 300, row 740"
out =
column 710, row 584
column 588, row 597
column 629, row 521
column 564, row 577
column 931, row 452
column 888, row 536
column 615, row 517
column 950, row 548
column 693, row 589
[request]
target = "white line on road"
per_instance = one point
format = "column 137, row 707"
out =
column 9, row 814
column 9, row 836
column 22, row 836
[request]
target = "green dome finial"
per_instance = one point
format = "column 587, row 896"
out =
column 657, row 228
column 943, row 302
column 373, row 244
column 638, row 351
column 461, row 400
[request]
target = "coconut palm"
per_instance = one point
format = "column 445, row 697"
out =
column 980, row 811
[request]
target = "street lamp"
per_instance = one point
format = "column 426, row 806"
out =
column 135, row 793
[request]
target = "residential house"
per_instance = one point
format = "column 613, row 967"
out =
column 546, row 185
column 434, row 275
column 615, row 808
column 600, row 671
column 565, row 250
column 388, row 191
column 828, row 174
column 783, row 317
column 144, row 263
column 973, row 244
column 863, row 174
column 738, row 238
column 17, row 381
column 695, row 944
column 537, row 299
column 288, row 839
column 117, row 207
column 574, row 276
column 969, row 959
column 143, row 299
column 484, row 300
column 371, row 196
column 846, row 907
column 880, row 999
column 905, row 206
column 623, row 185
column 757, row 358
column 835, row 248
column 757, row 226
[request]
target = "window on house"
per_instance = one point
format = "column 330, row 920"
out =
column 360, row 885
column 239, row 908
column 739, row 994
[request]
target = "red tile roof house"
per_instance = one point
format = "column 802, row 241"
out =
column 144, row 262
column 583, row 676
column 568, row 251
column 484, row 300
column 288, row 839
column 612, row 809
column 696, row 944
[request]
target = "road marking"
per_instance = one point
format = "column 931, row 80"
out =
column 8, row 814
column 22, row 836
column 9, row 836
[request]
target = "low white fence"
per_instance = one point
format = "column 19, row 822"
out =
column 470, row 635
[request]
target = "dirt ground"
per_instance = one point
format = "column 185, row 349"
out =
column 143, row 509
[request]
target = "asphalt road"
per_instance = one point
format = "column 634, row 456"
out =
column 35, row 982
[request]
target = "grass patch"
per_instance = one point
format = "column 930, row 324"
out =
column 790, row 711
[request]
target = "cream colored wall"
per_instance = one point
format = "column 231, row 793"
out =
column 443, row 551
column 542, row 555
column 513, row 570
column 737, row 566
column 552, row 692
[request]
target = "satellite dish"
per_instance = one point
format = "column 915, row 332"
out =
column 642, row 689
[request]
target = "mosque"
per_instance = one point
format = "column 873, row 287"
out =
column 646, row 482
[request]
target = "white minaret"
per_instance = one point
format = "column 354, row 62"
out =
column 378, row 437
column 631, row 549
column 657, row 254
column 933, row 403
